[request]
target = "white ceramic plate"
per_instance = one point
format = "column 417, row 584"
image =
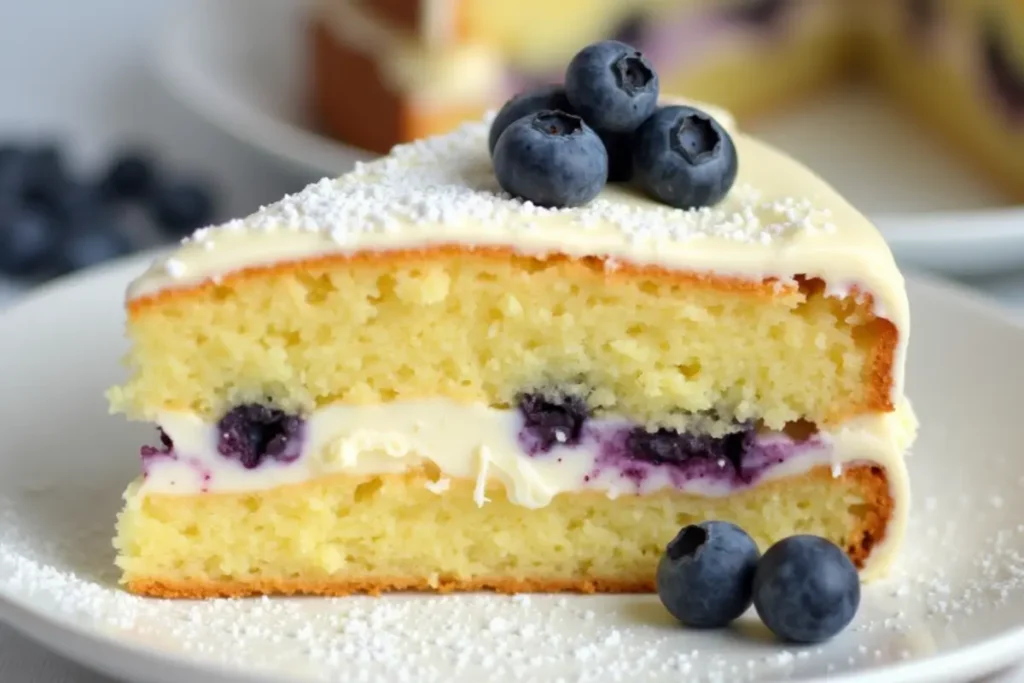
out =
column 953, row 609
column 239, row 63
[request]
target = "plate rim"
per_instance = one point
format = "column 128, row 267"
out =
column 29, row 618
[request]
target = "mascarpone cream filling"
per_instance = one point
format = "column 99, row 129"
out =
column 482, row 444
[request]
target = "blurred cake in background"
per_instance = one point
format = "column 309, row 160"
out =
column 388, row 71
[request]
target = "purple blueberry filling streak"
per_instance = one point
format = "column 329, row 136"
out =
column 635, row 454
column 250, row 434
column 254, row 434
column 165, row 451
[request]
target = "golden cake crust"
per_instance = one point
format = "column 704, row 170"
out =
column 869, row 480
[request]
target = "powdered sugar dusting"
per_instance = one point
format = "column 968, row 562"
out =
column 489, row 637
column 449, row 180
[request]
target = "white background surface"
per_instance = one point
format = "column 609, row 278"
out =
column 80, row 69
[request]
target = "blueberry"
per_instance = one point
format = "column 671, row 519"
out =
column 704, row 579
column 90, row 246
column 74, row 201
column 551, row 419
column 181, row 208
column 253, row 432
column 551, row 158
column 612, row 86
column 759, row 12
column 631, row 30
column 806, row 589
column 27, row 239
column 549, row 97
column 619, row 147
column 1005, row 77
column 921, row 15
column 45, row 174
column 13, row 173
column 684, row 158
column 166, row 446
column 130, row 176
column 670, row 446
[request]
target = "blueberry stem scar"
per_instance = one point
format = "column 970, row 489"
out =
column 689, row 542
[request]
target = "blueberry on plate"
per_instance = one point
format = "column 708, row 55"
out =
column 806, row 590
column 552, row 159
column 704, row 578
column 28, row 239
column 612, row 86
column 181, row 208
column 550, row 97
column 684, row 158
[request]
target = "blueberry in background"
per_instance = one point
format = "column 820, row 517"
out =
column 684, row 158
column 631, row 30
column 129, row 176
column 759, row 13
column 550, row 97
column 91, row 243
column 28, row 239
column 806, row 589
column 12, row 172
column 45, row 174
column 552, row 159
column 705, row 577
column 1003, row 74
column 74, row 200
column 182, row 207
column 612, row 86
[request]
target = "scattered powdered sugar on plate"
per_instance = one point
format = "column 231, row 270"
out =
column 491, row 637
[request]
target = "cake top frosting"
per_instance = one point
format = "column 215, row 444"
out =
column 779, row 219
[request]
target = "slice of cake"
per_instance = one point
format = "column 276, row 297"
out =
column 423, row 66
column 408, row 378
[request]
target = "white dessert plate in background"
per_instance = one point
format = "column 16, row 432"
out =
column 240, row 64
column 953, row 608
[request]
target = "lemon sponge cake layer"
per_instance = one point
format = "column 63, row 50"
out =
column 485, row 326
column 369, row 534
column 553, row 390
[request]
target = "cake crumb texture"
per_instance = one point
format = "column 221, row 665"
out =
column 342, row 535
column 484, row 325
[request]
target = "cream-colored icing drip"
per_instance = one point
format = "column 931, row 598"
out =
column 779, row 220
column 480, row 444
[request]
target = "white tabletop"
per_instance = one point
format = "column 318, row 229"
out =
column 79, row 69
